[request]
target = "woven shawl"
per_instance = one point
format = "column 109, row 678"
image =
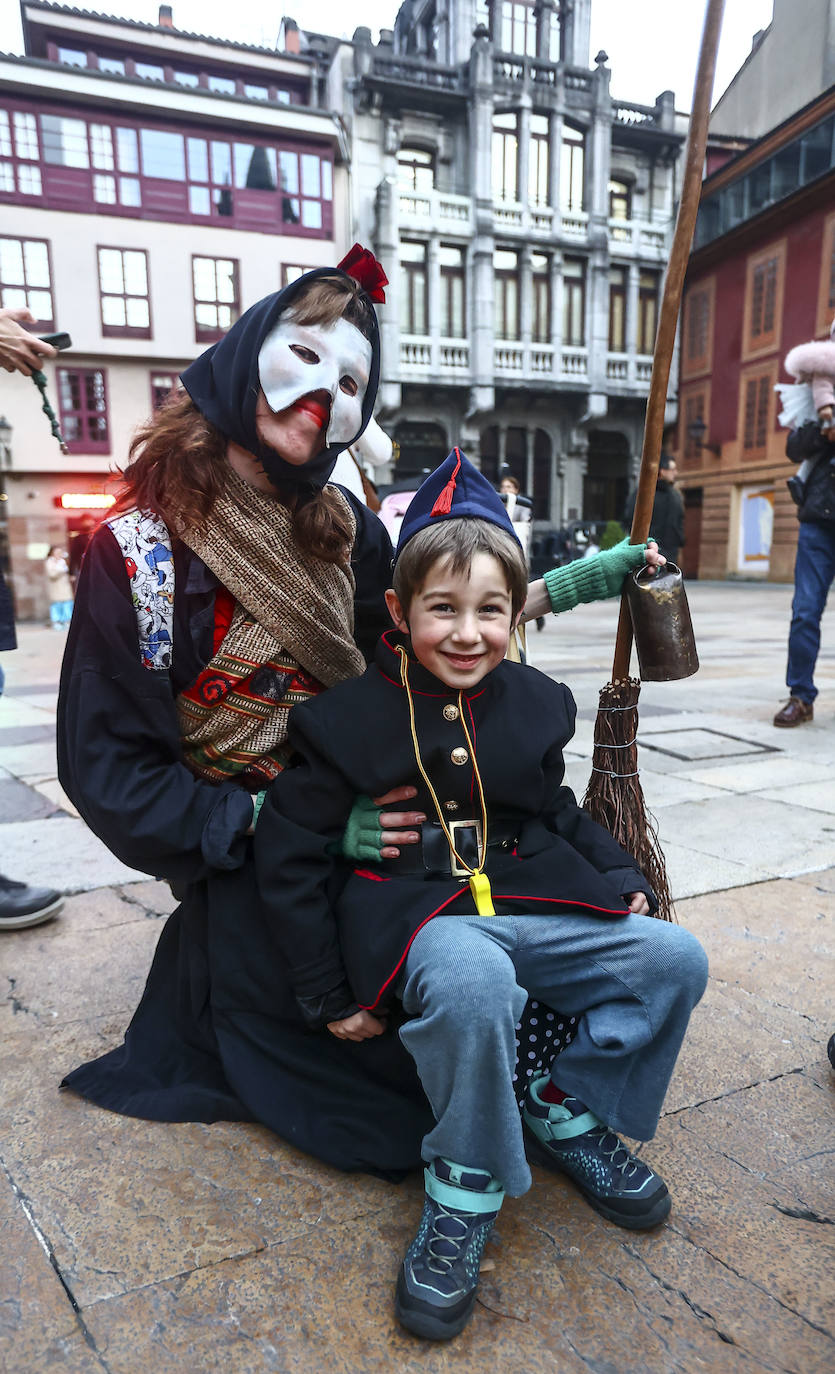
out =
column 290, row 635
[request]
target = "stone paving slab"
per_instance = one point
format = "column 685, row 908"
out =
column 812, row 796
column 753, row 831
column 61, row 853
column 21, row 803
column 769, row 771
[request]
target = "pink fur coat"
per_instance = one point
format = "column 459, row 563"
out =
column 815, row 363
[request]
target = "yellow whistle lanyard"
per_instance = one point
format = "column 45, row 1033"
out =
column 479, row 882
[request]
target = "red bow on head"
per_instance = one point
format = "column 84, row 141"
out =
column 361, row 264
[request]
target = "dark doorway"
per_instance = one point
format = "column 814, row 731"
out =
column 606, row 484
column 689, row 556
column 423, row 447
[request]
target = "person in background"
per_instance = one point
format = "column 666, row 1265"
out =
column 667, row 524
column 20, row 905
column 60, row 588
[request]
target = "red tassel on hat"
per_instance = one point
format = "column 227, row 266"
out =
column 361, row 264
column 443, row 504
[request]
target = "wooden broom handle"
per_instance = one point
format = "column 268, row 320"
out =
column 691, row 190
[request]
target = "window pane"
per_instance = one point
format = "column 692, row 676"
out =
column 72, row 57
column 127, row 150
column 149, row 71
column 129, row 192
column 198, row 159
column 138, row 314
column 224, row 84
column 5, row 135
column 327, row 180
column 449, row 256
column 6, row 176
column 198, row 200
column 25, row 135
column 101, row 146
column 221, row 164
column 204, row 279
column 64, row 141
column 311, row 214
column 412, row 252
column 113, row 311
column 163, row 155
column 206, row 315
column 29, row 180
column 11, row 262
column 504, row 260
column 224, row 316
column 114, row 65
column 111, row 276
column 104, row 189
column 225, row 280
column 289, row 164
column 40, row 303
column 136, row 273
column 36, row 260
column 256, row 92
column 311, row 183
column 187, row 79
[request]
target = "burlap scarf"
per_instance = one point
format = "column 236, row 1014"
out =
column 294, row 612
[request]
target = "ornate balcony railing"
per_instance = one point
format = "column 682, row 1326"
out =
column 415, row 353
column 415, row 71
column 438, row 209
column 454, row 355
column 574, row 362
column 645, row 240
column 508, row 357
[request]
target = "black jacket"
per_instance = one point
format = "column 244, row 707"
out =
column 8, row 639
column 818, row 506
column 344, row 947
column 667, row 524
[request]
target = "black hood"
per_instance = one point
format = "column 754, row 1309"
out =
column 223, row 383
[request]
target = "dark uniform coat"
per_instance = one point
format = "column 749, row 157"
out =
column 217, row 1035
column 346, row 950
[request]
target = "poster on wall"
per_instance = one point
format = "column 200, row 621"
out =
column 756, row 529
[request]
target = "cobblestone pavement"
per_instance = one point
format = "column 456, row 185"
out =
column 129, row 1246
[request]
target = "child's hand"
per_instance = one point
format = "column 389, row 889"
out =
column 361, row 1026
column 637, row 903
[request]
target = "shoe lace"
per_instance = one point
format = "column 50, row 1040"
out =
column 450, row 1230
column 612, row 1147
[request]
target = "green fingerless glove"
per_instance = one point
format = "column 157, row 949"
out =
column 363, row 833
column 592, row 579
column 257, row 803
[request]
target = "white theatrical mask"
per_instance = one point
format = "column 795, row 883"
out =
column 297, row 359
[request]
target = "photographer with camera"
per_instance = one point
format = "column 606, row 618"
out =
column 812, row 445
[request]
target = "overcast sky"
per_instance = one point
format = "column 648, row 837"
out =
column 652, row 44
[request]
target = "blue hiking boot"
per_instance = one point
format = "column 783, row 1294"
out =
column 569, row 1138
column 438, row 1279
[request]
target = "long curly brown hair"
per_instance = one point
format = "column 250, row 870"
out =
column 178, row 466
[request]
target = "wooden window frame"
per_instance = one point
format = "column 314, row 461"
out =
column 158, row 400
column 568, row 289
column 763, row 378
column 449, row 277
column 502, row 138
column 124, row 331
column 765, row 341
column 826, row 285
column 501, row 277
column 694, row 365
column 619, row 290
column 297, row 269
column 694, row 403
column 541, row 319
column 205, row 333
column 43, row 325
column 84, row 444
column 648, row 302
column 409, row 271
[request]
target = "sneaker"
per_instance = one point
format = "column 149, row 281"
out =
column 570, row 1138
column 437, row 1283
column 795, row 712
column 22, row 906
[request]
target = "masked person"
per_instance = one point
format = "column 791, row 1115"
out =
column 230, row 583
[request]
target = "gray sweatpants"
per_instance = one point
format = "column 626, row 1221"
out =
column 633, row 983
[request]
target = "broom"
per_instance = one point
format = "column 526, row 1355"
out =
column 614, row 796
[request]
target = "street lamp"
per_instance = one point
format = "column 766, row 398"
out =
column 696, row 431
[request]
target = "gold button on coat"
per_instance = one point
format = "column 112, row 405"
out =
column 450, row 712
column 460, row 756
column 451, row 806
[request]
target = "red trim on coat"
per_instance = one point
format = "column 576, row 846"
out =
column 374, row 877
column 499, row 897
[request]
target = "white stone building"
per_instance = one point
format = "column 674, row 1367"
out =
column 523, row 217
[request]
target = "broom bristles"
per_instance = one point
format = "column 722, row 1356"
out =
column 614, row 797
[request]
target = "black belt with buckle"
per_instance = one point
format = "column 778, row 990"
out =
column 432, row 856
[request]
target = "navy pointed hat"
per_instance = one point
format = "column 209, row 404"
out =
column 454, row 491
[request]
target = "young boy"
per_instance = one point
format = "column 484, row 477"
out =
column 513, row 892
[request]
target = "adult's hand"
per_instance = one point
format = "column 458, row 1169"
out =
column 637, row 903
column 361, row 1026
column 21, row 351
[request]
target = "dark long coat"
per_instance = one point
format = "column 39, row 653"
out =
column 346, row 950
column 217, row 1035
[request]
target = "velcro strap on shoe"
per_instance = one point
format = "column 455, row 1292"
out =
column 575, row 1125
column 461, row 1199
